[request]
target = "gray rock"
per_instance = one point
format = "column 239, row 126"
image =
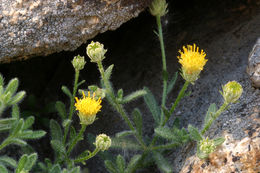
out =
column 41, row 27
column 253, row 68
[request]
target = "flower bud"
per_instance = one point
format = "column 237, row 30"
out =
column 231, row 92
column 158, row 8
column 103, row 142
column 96, row 51
column 207, row 146
column 78, row 62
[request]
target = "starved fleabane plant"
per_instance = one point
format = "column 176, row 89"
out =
column 153, row 149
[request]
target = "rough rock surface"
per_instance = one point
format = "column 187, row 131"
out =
column 41, row 27
column 253, row 68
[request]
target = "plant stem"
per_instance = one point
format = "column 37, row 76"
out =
column 214, row 117
column 178, row 99
column 164, row 67
column 72, row 101
column 75, row 140
column 87, row 157
column 117, row 106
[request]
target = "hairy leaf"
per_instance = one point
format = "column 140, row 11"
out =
column 152, row 105
column 194, row 133
column 162, row 163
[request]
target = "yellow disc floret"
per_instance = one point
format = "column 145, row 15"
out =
column 88, row 107
column 192, row 62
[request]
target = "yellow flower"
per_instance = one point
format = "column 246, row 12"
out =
column 192, row 62
column 88, row 107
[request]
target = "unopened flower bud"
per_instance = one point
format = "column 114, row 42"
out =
column 96, row 51
column 158, row 8
column 231, row 91
column 207, row 146
column 78, row 62
column 103, row 142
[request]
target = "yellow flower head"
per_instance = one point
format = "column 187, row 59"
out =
column 88, row 107
column 192, row 62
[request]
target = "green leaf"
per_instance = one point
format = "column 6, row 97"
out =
column 33, row 134
column 28, row 122
column 66, row 91
column 5, row 128
column 211, row 111
column 120, row 94
column 124, row 133
column 15, row 111
column 30, row 161
column 125, row 144
column 8, row 161
column 7, row 98
column 152, row 105
column 108, row 72
column 66, row 123
column 7, row 121
column 58, row 146
column 218, row 141
column 162, row 163
column 133, row 163
column 60, row 107
column 3, row 169
column 17, row 141
column 56, row 133
column 21, row 163
column 12, row 86
column 17, row 98
column 110, row 166
column 72, row 133
column 42, row 166
column 138, row 120
column 1, row 80
column 194, row 133
column 17, row 127
column 165, row 132
column 80, row 83
column 134, row 95
column 55, row 169
column 120, row 161
column 172, row 83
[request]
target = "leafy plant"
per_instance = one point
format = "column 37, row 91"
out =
column 18, row 129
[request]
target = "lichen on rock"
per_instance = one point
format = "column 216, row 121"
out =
column 40, row 27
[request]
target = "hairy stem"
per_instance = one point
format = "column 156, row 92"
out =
column 117, row 106
column 78, row 137
column 214, row 117
column 87, row 157
column 164, row 67
column 72, row 101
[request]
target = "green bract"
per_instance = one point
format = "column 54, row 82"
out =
column 96, row 51
column 158, row 8
column 231, row 92
column 103, row 142
column 78, row 62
